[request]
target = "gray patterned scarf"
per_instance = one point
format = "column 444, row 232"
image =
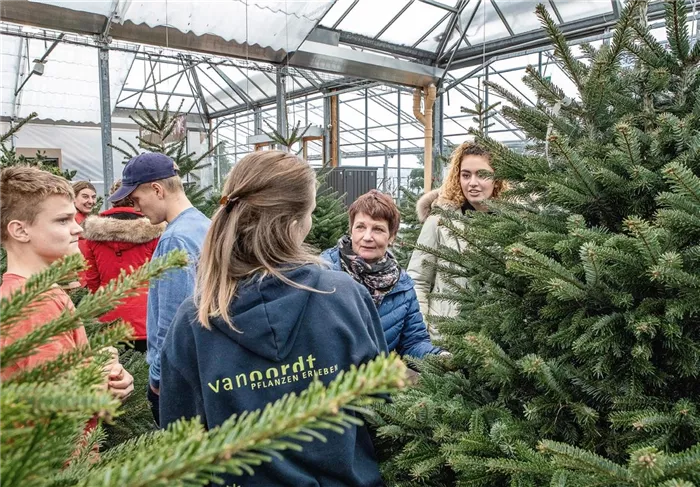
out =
column 379, row 278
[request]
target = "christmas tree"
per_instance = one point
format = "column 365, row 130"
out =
column 45, row 410
column 576, row 354
column 330, row 218
column 164, row 132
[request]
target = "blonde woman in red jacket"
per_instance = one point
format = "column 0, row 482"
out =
column 116, row 239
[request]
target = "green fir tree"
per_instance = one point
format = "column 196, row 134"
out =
column 576, row 355
column 330, row 218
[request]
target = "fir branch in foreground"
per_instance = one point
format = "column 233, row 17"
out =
column 187, row 454
column 12, row 308
column 91, row 306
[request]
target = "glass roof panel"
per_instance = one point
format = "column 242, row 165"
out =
column 459, row 126
column 215, row 104
column 381, row 133
column 211, row 81
column 412, row 24
column 432, row 41
column 571, row 10
column 335, row 12
column 409, row 131
column 485, row 26
column 521, row 16
column 368, row 17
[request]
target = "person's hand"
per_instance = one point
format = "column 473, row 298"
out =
column 445, row 353
column 120, row 382
column 156, row 390
column 412, row 377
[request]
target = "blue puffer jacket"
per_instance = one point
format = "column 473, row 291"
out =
column 402, row 321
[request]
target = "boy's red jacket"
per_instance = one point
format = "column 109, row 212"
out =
column 119, row 238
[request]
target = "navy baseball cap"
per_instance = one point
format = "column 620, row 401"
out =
column 144, row 168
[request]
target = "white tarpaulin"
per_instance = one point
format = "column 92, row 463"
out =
column 69, row 87
column 276, row 24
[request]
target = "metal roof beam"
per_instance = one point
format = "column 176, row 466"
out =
column 232, row 84
column 270, row 100
column 16, row 100
column 502, row 17
column 366, row 42
column 555, row 9
column 250, row 80
column 310, row 80
column 196, row 85
column 450, row 28
column 146, row 88
column 38, row 61
column 367, row 65
column 151, row 92
column 463, row 36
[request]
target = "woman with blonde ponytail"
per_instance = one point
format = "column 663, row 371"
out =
column 266, row 318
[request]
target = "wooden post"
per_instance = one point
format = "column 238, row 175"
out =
column 335, row 150
column 428, row 95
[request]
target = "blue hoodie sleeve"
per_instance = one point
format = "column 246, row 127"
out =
column 172, row 290
column 415, row 340
column 180, row 391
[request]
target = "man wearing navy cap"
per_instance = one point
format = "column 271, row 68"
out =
column 152, row 182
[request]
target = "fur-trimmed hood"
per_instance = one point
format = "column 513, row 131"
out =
column 432, row 199
column 107, row 229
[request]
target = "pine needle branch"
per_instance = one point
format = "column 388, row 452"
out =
column 245, row 441
column 91, row 307
column 13, row 307
column 677, row 28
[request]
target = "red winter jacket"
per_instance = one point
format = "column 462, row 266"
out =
column 117, row 239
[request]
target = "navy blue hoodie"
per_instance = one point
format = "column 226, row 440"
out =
column 288, row 336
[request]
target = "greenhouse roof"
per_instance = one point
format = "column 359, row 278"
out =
column 172, row 52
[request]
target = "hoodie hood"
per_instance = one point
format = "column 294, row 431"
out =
column 432, row 199
column 109, row 227
column 268, row 313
